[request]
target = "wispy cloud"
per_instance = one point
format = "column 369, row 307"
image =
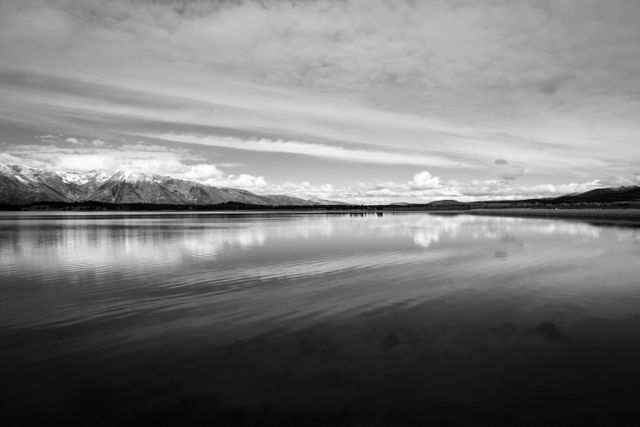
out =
column 552, row 86
column 310, row 149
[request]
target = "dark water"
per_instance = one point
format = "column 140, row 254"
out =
column 293, row 319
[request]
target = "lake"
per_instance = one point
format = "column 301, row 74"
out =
column 317, row 319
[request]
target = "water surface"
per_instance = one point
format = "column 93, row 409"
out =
column 317, row 319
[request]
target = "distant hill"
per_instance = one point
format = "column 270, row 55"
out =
column 447, row 204
column 619, row 197
column 21, row 185
column 603, row 195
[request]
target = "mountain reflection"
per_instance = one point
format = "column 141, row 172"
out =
column 249, row 311
column 144, row 242
column 89, row 245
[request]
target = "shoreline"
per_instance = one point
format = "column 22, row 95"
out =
column 612, row 214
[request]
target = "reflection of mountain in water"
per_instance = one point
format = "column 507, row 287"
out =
column 132, row 242
column 141, row 242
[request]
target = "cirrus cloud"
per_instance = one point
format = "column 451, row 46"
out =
column 552, row 86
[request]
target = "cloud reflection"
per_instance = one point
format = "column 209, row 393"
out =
column 140, row 244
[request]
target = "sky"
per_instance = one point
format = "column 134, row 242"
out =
column 363, row 101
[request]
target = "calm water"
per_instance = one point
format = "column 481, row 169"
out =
column 294, row 319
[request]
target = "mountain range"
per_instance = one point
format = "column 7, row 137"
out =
column 21, row 185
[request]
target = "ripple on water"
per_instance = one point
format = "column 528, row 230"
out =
column 248, row 311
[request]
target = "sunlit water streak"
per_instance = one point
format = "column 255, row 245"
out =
column 339, row 319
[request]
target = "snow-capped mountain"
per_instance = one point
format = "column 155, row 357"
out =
column 23, row 185
column 81, row 178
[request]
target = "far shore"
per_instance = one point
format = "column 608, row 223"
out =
column 631, row 215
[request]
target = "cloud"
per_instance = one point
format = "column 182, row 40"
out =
column 381, row 192
column 340, row 43
column 84, row 142
column 203, row 172
column 245, row 181
column 507, row 171
column 423, row 180
column 511, row 173
column 306, row 149
column 621, row 180
column 551, row 86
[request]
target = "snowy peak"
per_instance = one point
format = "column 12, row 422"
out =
column 34, row 175
column 25, row 185
column 82, row 178
column 6, row 169
column 27, row 174
column 131, row 177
